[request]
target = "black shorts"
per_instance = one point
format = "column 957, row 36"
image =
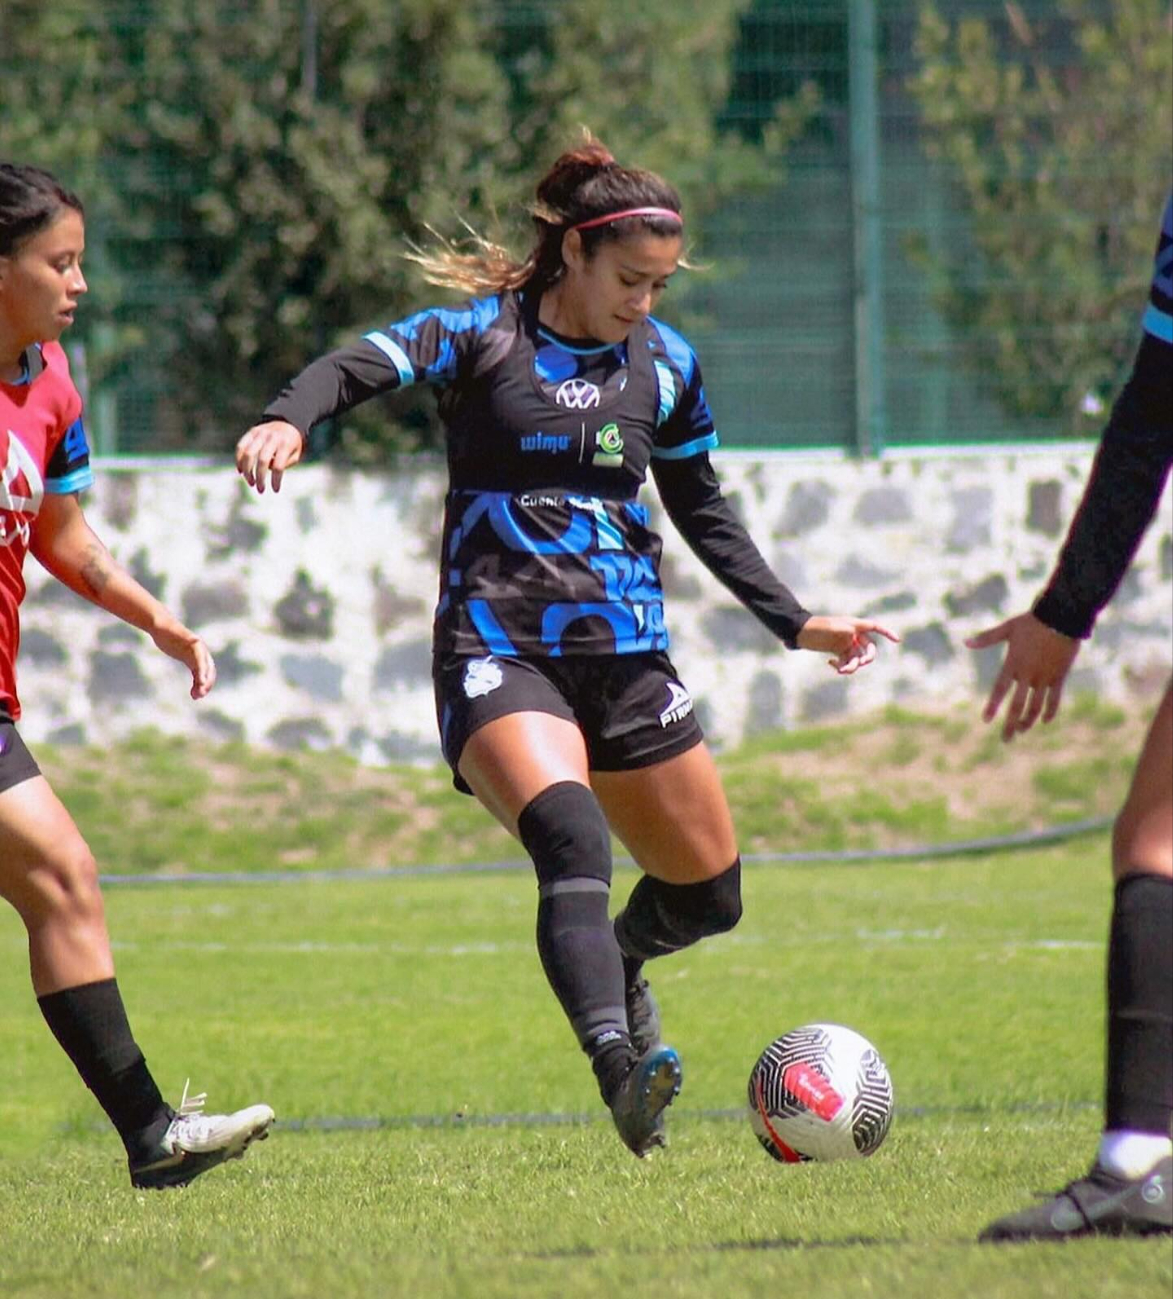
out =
column 631, row 708
column 16, row 762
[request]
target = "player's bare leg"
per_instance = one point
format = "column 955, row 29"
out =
column 48, row 874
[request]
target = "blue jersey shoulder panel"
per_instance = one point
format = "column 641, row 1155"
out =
column 1158, row 317
column 676, row 347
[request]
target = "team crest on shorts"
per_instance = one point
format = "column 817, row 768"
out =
column 679, row 704
column 482, row 676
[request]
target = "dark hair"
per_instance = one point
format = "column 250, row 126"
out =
column 30, row 200
column 584, row 183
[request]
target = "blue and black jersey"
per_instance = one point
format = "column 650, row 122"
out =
column 546, row 550
column 1129, row 473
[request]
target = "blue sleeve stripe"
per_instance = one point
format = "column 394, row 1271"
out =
column 395, row 354
column 1158, row 323
column 668, row 398
column 77, row 481
column 694, row 448
column 679, row 352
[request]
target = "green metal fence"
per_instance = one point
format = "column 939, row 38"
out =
column 818, row 322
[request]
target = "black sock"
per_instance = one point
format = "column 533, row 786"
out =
column 90, row 1024
column 612, row 1061
column 632, row 965
column 1139, row 1091
column 565, row 833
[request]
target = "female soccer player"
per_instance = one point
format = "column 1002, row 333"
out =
column 557, row 703
column 1129, row 1189
column 46, row 871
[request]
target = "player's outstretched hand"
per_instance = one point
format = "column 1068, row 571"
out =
column 1036, row 665
column 177, row 642
column 266, row 451
column 852, row 641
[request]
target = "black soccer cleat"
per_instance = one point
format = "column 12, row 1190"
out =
column 195, row 1142
column 1100, row 1204
column 643, row 1096
column 643, row 1016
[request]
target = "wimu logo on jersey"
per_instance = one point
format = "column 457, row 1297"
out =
column 554, row 442
column 21, row 490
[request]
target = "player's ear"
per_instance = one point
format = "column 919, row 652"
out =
column 573, row 253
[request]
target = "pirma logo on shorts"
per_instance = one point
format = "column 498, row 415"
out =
column 679, row 704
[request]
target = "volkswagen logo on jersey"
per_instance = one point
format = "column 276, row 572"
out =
column 679, row 704
column 481, row 676
column 21, row 490
column 578, row 394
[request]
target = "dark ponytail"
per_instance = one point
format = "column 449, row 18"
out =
column 583, row 184
column 30, row 200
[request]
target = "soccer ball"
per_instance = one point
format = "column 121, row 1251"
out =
column 820, row 1092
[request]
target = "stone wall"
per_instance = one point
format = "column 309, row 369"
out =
column 317, row 601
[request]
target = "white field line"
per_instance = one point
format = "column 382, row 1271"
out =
column 892, row 938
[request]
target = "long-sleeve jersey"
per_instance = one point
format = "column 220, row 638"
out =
column 43, row 449
column 546, row 550
column 1128, row 473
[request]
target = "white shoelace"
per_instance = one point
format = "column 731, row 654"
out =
column 190, row 1104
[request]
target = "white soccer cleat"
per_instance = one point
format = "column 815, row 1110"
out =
column 195, row 1141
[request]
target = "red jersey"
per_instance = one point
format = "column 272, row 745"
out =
column 43, row 449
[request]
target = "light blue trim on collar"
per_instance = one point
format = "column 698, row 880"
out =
column 543, row 332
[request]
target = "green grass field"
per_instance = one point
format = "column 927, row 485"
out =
column 476, row 1158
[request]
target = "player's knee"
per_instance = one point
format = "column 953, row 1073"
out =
column 565, row 832
column 724, row 910
column 63, row 887
column 696, row 911
column 1142, row 841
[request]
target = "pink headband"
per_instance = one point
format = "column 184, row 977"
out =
column 629, row 212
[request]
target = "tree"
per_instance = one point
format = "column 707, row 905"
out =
column 266, row 163
column 1063, row 166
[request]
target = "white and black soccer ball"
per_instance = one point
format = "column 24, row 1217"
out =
column 820, row 1092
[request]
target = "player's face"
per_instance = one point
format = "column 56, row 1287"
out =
column 615, row 289
column 41, row 283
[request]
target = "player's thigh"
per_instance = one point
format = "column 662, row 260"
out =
column 509, row 761
column 672, row 816
column 43, row 857
column 1142, row 839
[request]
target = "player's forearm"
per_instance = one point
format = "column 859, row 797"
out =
column 81, row 562
column 1121, row 497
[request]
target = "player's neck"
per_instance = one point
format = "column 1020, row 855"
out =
column 559, row 316
column 12, row 371
column 12, row 367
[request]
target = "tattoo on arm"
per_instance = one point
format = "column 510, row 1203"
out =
column 97, row 568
